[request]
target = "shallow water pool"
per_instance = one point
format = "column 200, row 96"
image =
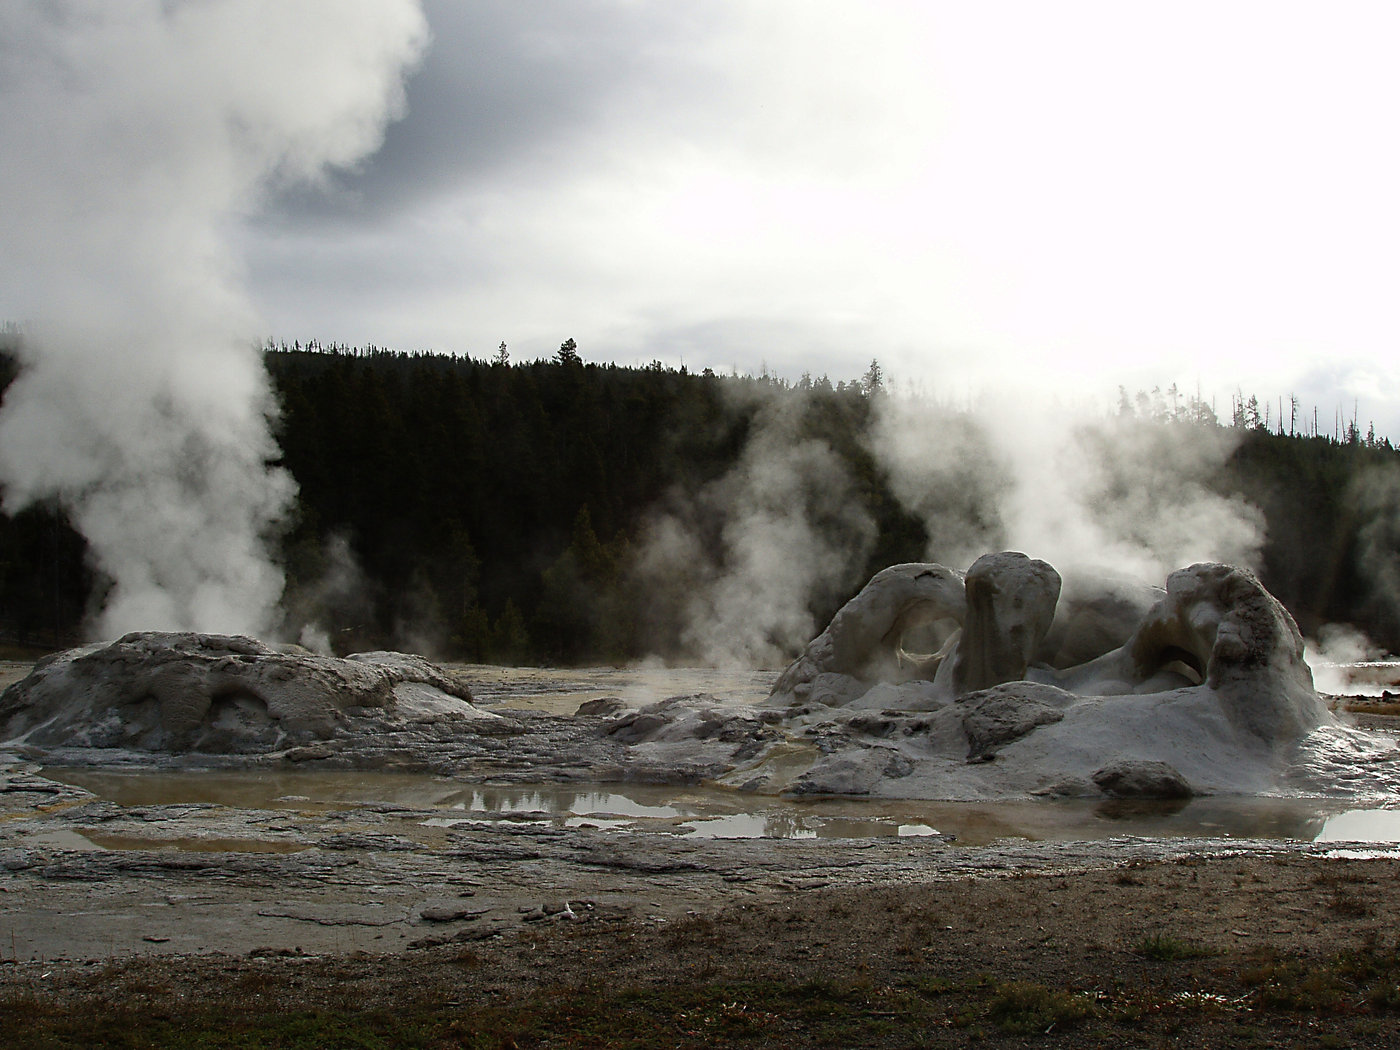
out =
column 717, row 813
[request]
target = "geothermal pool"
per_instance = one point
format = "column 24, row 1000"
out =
column 713, row 813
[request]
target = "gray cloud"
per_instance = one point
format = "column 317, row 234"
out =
column 828, row 182
column 528, row 93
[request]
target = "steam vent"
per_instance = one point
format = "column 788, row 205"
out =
column 1001, row 682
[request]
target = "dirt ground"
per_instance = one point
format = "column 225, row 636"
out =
column 196, row 925
column 1194, row 951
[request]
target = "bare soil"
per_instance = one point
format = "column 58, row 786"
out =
column 205, row 926
column 1199, row 951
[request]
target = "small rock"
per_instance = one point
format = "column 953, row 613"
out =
column 997, row 716
column 603, row 705
column 309, row 753
column 1142, row 779
column 636, row 727
column 451, row 913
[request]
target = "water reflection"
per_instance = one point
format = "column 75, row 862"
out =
column 1373, row 825
column 715, row 813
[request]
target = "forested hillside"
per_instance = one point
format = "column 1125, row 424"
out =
column 570, row 512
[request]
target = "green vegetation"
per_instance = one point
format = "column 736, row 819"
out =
column 500, row 512
column 1352, row 982
column 1164, row 947
column 1356, row 989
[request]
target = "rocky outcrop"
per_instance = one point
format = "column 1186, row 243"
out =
column 158, row 691
column 1214, row 626
column 1246, row 643
column 1124, row 690
column 1010, row 605
column 1216, row 629
column 864, row 642
column 997, row 716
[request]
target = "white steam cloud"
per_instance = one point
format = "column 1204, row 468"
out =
column 742, row 561
column 136, row 135
column 1087, row 493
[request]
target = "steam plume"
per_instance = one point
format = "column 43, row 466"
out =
column 136, row 136
column 742, row 561
column 1082, row 491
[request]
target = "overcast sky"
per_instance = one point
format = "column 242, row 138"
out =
column 1070, row 195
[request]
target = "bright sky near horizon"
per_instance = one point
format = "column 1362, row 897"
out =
column 1065, row 196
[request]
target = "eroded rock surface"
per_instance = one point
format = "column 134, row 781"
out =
column 1154, row 780
column 1204, row 689
column 1010, row 604
column 864, row 642
column 155, row 691
column 997, row 716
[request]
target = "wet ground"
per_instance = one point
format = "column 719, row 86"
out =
column 699, row 812
column 100, row 863
column 83, row 877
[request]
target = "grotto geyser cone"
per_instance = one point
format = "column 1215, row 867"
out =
column 1205, row 690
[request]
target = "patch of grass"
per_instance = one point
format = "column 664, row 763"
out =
column 1028, row 1008
column 1295, row 986
column 41, row 1026
column 688, row 1013
column 1366, row 980
column 1347, row 905
column 709, row 1010
column 1165, row 947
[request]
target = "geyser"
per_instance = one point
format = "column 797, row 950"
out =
column 1213, row 626
column 136, row 136
column 1203, row 690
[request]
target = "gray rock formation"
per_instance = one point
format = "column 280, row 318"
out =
column 1214, row 626
column 1010, row 605
column 155, row 691
column 1129, row 691
column 997, row 716
column 864, row 642
column 1129, row 779
column 1219, row 628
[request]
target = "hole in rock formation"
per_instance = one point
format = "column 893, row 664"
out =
column 1112, row 687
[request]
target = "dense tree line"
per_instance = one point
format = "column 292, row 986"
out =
column 493, row 511
column 490, row 508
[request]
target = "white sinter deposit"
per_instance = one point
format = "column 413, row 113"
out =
column 1206, row 692
column 1014, row 690
column 218, row 694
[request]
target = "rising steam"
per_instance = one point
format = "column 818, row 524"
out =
column 136, row 135
column 1081, row 490
column 741, row 563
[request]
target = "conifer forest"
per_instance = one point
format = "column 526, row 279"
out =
column 490, row 511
